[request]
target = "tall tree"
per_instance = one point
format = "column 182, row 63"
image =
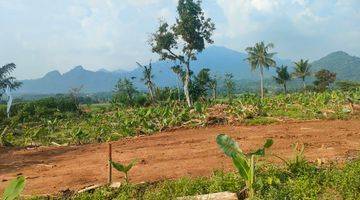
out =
column 148, row 79
column 191, row 31
column 302, row 70
column 213, row 87
column 202, row 81
column 6, row 79
column 229, row 86
column 75, row 93
column 125, row 88
column 282, row 77
column 259, row 58
column 324, row 78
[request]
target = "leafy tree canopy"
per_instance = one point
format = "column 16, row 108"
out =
column 323, row 79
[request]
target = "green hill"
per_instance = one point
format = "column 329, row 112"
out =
column 345, row 66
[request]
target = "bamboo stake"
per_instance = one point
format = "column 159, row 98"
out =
column 110, row 165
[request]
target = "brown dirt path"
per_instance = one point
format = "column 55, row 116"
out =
column 171, row 155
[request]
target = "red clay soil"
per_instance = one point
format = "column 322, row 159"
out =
column 171, row 155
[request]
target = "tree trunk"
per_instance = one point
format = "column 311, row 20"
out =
column 261, row 82
column 151, row 91
column 214, row 93
column 179, row 88
column 285, row 90
column 186, row 85
column 304, row 84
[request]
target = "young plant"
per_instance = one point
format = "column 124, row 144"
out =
column 297, row 164
column 14, row 189
column 124, row 168
column 245, row 163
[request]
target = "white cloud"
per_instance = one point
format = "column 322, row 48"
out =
column 293, row 25
column 41, row 35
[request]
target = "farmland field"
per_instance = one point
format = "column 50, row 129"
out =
column 64, row 149
column 68, row 150
column 181, row 99
column 175, row 154
column 34, row 125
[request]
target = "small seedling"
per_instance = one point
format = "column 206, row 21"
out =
column 245, row 163
column 14, row 189
column 297, row 156
column 124, row 168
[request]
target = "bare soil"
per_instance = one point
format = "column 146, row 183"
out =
column 170, row 155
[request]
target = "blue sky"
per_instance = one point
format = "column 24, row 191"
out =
column 44, row 35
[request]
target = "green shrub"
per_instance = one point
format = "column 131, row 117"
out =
column 51, row 107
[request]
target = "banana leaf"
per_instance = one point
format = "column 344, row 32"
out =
column 14, row 189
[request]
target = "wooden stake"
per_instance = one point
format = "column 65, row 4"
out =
column 110, row 165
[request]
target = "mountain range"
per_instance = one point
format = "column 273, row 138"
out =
column 219, row 60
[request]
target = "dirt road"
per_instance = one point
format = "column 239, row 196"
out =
column 171, row 155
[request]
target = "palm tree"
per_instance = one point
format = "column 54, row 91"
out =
column 6, row 79
column 259, row 58
column 213, row 87
column 302, row 70
column 282, row 76
column 148, row 79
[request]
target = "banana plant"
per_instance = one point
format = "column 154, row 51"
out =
column 124, row 168
column 245, row 163
column 14, row 189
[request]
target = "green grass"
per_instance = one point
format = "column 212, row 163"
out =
column 306, row 181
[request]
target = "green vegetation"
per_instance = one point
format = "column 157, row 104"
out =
column 190, row 33
column 245, row 163
column 344, row 65
column 124, row 168
column 324, row 78
column 148, row 79
column 302, row 70
column 305, row 181
column 62, row 120
column 282, row 77
column 124, row 93
column 260, row 58
column 6, row 79
column 229, row 86
column 14, row 189
column 347, row 85
column 57, row 121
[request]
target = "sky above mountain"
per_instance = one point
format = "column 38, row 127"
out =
column 43, row 35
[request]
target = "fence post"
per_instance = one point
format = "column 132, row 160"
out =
column 110, row 165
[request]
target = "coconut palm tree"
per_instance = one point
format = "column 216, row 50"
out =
column 148, row 79
column 302, row 70
column 282, row 77
column 259, row 57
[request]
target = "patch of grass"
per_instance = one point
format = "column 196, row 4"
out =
column 307, row 181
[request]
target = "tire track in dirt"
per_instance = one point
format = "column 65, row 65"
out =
column 171, row 155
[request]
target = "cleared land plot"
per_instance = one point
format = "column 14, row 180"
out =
column 171, row 155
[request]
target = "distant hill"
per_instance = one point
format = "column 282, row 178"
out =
column 54, row 82
column 219, row 60
column 345, row 66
